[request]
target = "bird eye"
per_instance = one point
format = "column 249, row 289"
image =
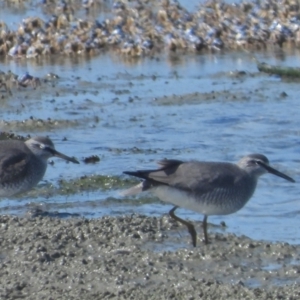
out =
column 253, row 162
column 257, row 162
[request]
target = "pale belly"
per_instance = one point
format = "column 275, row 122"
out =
column 183, row 199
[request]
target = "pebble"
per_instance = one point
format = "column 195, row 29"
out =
column 138, row 257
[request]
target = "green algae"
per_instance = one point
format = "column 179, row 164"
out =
column 92, row 183
column 79, row 185
column 85, row 184
column 282, row 71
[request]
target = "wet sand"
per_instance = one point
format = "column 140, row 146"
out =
column 138, row 257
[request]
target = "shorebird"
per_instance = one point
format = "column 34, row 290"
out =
column 23, row 164
column 209, row 188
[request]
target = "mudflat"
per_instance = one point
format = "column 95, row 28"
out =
column 138, row 257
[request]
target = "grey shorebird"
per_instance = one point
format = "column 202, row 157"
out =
column 23, row 164
column 209, row 188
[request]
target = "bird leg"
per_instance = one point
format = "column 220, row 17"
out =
column 189, row 225
column 205, row 229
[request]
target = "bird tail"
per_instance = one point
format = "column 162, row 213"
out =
column 133, row 190
column 141, row 187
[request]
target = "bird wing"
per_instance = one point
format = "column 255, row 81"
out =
column 14, row 166
column 200, row 177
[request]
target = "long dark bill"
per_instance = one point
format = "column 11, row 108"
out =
column 275, row 172
column 65, row 157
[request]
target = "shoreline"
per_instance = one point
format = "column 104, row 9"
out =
column 138, row 257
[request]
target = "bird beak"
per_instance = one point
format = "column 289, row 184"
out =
column 65, row 157
column 275, row 172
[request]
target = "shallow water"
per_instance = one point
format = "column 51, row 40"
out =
column 132, row 113
column 247, row 115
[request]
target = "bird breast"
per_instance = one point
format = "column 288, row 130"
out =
column 35, row 172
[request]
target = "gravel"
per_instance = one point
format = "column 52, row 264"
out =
column 138, row 257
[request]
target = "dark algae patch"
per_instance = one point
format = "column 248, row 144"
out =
column 283, row 71
column 91, row 183
column 77, row 185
